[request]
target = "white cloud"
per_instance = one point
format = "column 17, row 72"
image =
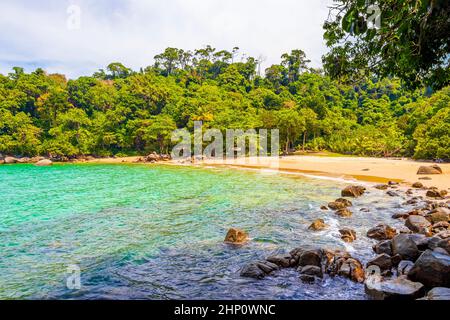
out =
column 133, row 31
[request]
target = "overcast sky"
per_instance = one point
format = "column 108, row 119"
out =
column 36, row 33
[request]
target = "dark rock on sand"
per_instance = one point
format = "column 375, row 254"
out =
column 434, row 169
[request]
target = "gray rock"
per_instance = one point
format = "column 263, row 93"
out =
column 395, row 289
column 432, row 269
column 283, row 261
column 438, row 293
column 417, row 224
column 404, row 267
column 310, row 258
column 383, row 261
column 44, row 163
column 382, row 232
column 311, row 271
column 405, row 247
column 383, row 247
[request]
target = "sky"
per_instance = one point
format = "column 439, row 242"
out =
column 78, row 37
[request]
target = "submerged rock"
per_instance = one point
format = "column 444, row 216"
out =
column 258, row 270
column 432, row 269
column 382, row 232
column 345, row 213
column 348, row 235
column 284, row 261
column 395, row 289
column 236, row 236
column 353, row 191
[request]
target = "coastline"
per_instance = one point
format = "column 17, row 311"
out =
column 373, row 170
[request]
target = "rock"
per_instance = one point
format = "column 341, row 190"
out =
column 443, row 234
column 393, row 183
column 44, row 163
column 283, row 261
column 324, row 208
column 310, row 258
column 405, row 247
column 434, row 193
column 346, row 202
column 10, row 160
column 348, row 235
column 440, row 226
column 382, row 232
column 395, row 289
column 383, row 261
column 438, row 293
column 342, row 264
column 258, row 270
column 444, row 244
column 236, row 236
column 439, row 214
column 336, row 205
column 353, row 191
column 384, row 246
column 23, row 160
column 311, row 271
column 432, row 269
column 403, row 267
column 364, row 210
column 317, row 225
column 425, row 178
column 417, row 185
column 382, row 187
column 392, row 193
column 417, row 224
column 400, row 215
column 345, row 213
column 434, row 169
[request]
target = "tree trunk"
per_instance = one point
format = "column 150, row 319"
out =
column 304, row 140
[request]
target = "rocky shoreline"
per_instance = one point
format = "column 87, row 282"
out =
column 411, row 262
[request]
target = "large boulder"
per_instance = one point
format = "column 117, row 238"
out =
column 309, row 273
column 434, row 169
column 394, row 289
column 382, row 232
column 310, row 258
column 44, row 163
column 236, row 236
column 10, row 160
column 405, row 247
column 432, row 269
column 353, row 191
column 435, row 193
column 438, row 293
column 418, row 224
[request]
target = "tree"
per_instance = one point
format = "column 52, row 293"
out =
column 403, row 38
column 295, row 63
column 290, row 124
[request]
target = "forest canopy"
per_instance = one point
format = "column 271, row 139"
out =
column 118, row 111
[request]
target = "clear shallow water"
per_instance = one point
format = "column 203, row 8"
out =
column 156, row 232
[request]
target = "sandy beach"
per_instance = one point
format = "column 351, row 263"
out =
column 361, row 168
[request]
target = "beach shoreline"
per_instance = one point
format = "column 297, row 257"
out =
column 367, row 169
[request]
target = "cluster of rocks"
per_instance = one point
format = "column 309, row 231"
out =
column 311, row 264
column 154, row 157
column 38, row 161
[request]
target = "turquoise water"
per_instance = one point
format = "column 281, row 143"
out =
column 156, row 232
